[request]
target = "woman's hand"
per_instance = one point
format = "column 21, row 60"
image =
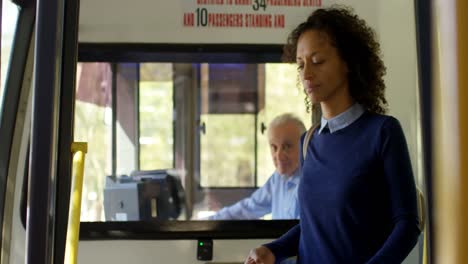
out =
column 260, row 255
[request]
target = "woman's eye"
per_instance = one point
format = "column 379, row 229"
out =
column 300, row 67
column 317, row 61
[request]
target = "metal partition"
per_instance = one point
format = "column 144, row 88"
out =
column 423, row 39
column 12, row 93
column 40, row 225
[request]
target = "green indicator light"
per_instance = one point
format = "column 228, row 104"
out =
column 201, row 243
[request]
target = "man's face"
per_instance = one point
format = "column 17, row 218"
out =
column 284, row 147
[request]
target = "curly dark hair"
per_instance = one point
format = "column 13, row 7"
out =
column 357, row 46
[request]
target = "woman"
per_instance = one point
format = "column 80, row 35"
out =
column 357, row 195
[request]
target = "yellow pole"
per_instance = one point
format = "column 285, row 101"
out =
column 462, row 28
column 79, row 150
column 424, row 258
column 450, row 131
column 422, row 223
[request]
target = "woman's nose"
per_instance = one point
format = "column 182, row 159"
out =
column 307, row 73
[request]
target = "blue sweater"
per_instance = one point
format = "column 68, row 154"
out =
column 357, row 197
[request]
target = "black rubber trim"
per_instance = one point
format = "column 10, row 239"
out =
column 45, row 110
column 66, row 117
column 179, row 53
column 423, row 21
column 161, row 230
column 23, row 3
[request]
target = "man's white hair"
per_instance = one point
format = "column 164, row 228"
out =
column 286, row 118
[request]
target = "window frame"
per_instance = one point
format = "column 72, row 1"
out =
column 182, row 53
column 11, row 94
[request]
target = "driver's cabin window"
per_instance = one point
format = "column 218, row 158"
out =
column 175, row 141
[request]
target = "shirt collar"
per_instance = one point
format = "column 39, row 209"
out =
column 294, row 178
column 342, row 120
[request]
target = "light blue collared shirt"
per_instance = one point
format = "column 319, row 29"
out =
column 342, row 120
column 277, row 196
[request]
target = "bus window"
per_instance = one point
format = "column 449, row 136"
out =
column 225, row 108
column 229, row 106
column 156, row 106
column 283, row 93
column 93, row 117
column 239, row 156
column 9, row 17
column 232, row 106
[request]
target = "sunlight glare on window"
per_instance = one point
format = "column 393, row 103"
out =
column 9, row 17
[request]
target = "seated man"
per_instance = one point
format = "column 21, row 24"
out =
column 279, row 194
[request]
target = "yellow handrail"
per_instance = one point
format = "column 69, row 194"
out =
column 422, row 223
column 79, row 150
